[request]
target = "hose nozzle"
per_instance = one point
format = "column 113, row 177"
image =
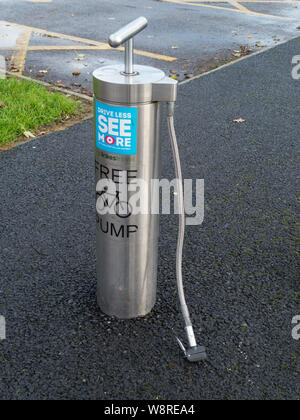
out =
column 193, row 354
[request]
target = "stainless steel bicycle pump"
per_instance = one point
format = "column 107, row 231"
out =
column 127, row 102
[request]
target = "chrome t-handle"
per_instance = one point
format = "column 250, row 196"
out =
column 125, row 35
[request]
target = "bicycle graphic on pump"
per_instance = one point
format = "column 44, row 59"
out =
column 121, row 208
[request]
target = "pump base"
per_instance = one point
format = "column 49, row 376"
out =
column 119, row 312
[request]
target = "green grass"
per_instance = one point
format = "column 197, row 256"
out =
column 27, row 106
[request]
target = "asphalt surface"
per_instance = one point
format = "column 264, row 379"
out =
column 200, row 36
column 241, row 266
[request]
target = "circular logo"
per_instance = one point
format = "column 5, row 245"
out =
column 110, row 140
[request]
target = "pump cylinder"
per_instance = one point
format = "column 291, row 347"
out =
column 127, row 143
column 127, row 246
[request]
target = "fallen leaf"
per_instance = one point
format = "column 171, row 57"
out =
column 76, row 73
column 175, row 47
column 2, row 104
column 239, row 120
column 43, row 71
column 80, row 57
column 245, row 50
column 60, row 85
column 250, row 36
column 28, row 135
column 259, row 45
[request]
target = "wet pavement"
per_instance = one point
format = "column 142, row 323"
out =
column 241, row 267
column 192, row 36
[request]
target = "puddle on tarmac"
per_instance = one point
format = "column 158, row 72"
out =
column 8, row 36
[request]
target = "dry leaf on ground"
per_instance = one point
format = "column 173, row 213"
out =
column 239, row 120
column 28, row 135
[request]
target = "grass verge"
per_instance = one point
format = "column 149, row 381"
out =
column 27, row 106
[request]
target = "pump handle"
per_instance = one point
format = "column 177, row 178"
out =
column 125, row 35
column 127, row 32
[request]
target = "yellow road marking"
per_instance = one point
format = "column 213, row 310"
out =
column 268, row 1
column 237, row 5
column 102, row 47
column 88, row 47
column 68, row 47
column 99, row 45
column 228, row 9
column 53, row 34
column 240, row 1
column 17, row 61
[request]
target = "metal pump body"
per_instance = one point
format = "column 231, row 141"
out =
column 127, row 127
